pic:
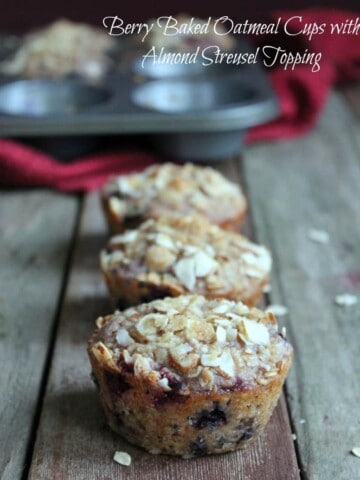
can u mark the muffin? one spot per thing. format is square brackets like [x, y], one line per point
[172, 190]
[174, 256]
[61, 49]
[189, 376]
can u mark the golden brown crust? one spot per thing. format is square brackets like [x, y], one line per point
[172, 190]
[171, 256]
[186, 376]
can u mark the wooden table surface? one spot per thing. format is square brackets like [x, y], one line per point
[51, 292]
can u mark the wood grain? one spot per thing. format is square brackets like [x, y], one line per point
[73, 441]
[313, 182]
[36, 231]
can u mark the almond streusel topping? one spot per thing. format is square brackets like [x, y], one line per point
[189, 253]
[171, 189]
[204, 344]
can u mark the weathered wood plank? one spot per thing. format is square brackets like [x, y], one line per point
[313, 182]
[35, 234]
[73, 440]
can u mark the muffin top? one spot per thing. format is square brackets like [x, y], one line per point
[62, 48]
[175, 190]
[188, 254]
[189, 343]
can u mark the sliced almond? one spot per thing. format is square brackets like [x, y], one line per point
[318, 236]
[356, 451]
[141, 365]
[210, 250]
[223, 322]
[195, 372]
[206, 379]
[214, 282]
[128, 237]
[215, 185]
[346, 300]
[161, 355]
[123, 338]
[159, 258]
[164, 241]
[189, 250]
[262, 261]
[263, 381]
[151, 323]
[254, 332]
[210, 359]
[126, 356]
[223, 307]
[241, 309]
[204, 264]
[226, 364]
[100, 321]
[117, 256]
[254, 272]
[184, 270]
[117, 206]
[162, 307]
[200, 330]
[128, 183]
[164, 384]
[198, 200]
[177, 323]
[122, 458]
[102, 353]
[220, 334]
[181, 350]
[277, 310]
[184, 363]
[231, 334]
[154, 278]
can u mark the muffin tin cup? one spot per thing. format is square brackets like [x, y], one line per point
[42, 98]
[202, 114]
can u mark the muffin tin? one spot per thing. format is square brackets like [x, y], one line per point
[191, 111]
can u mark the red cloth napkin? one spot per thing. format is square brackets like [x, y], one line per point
[27, 167]
[302, 95]
[301, 92]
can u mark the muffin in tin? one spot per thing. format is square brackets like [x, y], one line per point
[61, 49]
[174, 256]
[172, 190]
[189, 376]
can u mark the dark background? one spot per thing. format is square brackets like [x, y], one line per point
[19, 16]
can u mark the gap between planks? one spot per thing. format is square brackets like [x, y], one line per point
[313, 182]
